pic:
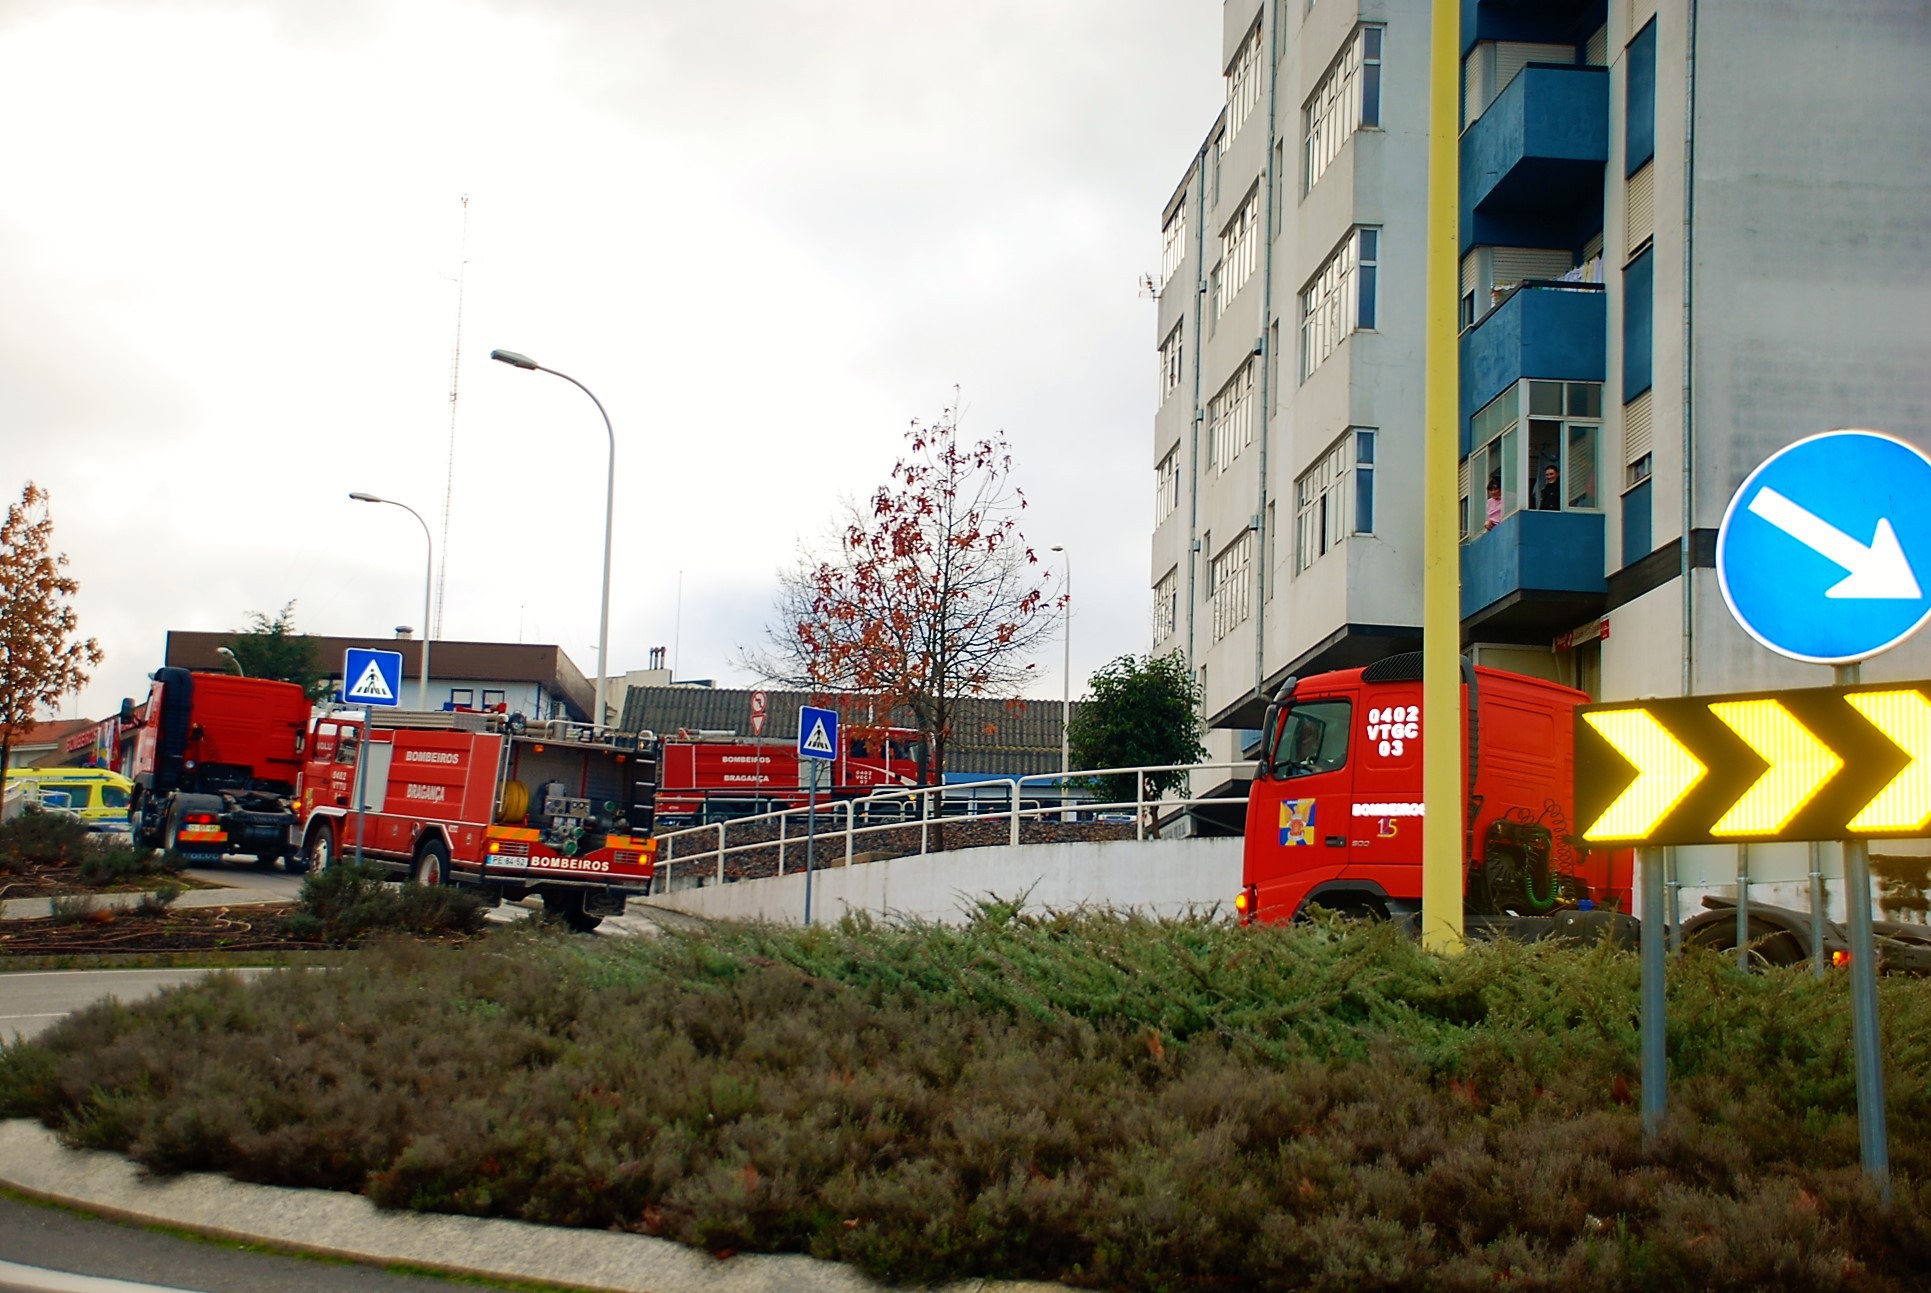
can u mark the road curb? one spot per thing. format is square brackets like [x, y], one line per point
[41, 908]
[348, 1226]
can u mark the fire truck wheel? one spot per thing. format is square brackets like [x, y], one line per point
[171, 829]
[568, 907]
[318, 850]
[432, 864]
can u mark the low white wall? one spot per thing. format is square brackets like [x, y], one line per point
[1154, 877]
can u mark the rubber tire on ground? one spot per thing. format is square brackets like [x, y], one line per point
[171, 829]
[1770, 945]
[432, 864]
[317, 852]
[568, 907]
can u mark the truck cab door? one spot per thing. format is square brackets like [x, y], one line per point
[1300, 842]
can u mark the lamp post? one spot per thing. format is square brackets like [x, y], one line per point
[428, 588]
[231, 660]
[1066, 682]
[515, 360]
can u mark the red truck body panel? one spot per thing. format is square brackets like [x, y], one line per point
[481, 794]
[701, 772]
[1345, 820]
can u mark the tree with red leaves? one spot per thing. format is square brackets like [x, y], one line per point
[933, 594]
[38, 662]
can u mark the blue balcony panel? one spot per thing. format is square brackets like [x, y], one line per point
[1535, 575]
[1532, 164]
[1543, 22]
[1549, 331]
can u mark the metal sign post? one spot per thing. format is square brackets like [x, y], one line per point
[361, 784]
[811, 839]
[1866, 1043]
[817, 744]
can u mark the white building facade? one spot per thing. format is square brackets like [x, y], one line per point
[1690, 234]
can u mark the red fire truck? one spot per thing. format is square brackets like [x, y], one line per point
[708, 775]
[213, 758]
[1334, 820]
[553, 809]
[1334, 816]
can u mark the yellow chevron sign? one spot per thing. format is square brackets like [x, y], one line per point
[1818, 763]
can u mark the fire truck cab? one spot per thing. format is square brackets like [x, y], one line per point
[1334, 816]
[511, 809]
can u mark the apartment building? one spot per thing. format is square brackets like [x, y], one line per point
[1690, 234]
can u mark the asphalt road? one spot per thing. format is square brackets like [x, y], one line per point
[44, 1248]
[33, 1000]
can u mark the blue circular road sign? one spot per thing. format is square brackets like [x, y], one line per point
[1824, 554]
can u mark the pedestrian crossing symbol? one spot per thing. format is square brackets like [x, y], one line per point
[377, 677]
[817, 733]
[372, 685]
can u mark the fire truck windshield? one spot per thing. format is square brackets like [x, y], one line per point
[1314, 738]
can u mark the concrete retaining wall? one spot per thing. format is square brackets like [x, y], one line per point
[1155, 877]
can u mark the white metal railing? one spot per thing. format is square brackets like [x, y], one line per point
[841, 824]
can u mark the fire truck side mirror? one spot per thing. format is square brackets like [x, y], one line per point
[127, 710]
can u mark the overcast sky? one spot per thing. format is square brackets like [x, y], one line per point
[766, 235]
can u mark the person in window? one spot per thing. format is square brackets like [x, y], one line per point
[1494, 505]
[1549, 497]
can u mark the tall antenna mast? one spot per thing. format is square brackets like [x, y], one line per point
[435, 628]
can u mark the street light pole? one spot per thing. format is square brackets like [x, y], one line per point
[232, 660]
[515, 360]
[1066, 682]
[428, 589]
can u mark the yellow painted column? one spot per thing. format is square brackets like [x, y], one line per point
[1443, 793]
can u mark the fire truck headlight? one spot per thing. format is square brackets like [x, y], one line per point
[495, 847]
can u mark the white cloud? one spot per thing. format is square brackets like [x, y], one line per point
[766, 236]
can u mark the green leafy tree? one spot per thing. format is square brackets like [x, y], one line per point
[39, 659]
[1142, 711]
[271, 648]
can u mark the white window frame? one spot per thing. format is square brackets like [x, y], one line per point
[1340, 297]
[1326, 496]
[1173, 243]
[1166, 486]
[1166, 604]
[1229, 576]
[1347, 97]
[1239, 251]
[1243, 82]
[1172, 361]
[1230, 419]
[1505, 449]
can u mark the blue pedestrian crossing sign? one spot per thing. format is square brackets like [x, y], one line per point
[817, 733]
[1824, 554]
[371, 677]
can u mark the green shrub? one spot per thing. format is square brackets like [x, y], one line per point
[109, 862]
[157, 901]
[37, 838]
[346, 902]
[71, 909]
[1108, 1102]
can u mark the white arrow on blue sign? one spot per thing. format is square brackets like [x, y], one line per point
[371, 677]
[817, 733]
[1825, 551]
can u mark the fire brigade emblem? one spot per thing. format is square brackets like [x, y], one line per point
[1297, 822]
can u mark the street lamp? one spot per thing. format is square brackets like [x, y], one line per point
[1066, 682]
[231, 660]
[428, 589]
[515, 360]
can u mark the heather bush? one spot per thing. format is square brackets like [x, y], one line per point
[1106, 1101]
[347, 902]
[109, 862]
[36, 838]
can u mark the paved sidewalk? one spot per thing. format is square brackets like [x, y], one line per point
[40, 908]
[349, 1226]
